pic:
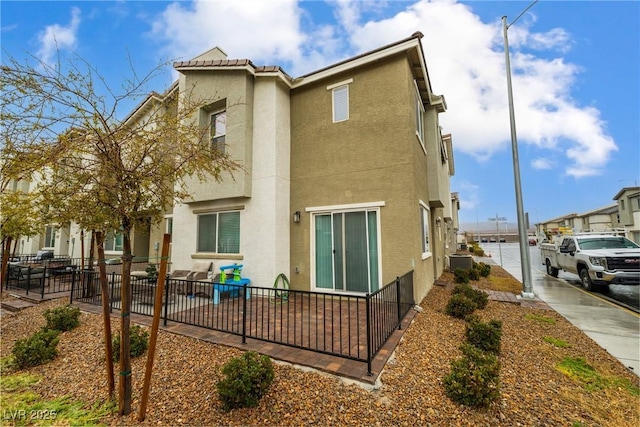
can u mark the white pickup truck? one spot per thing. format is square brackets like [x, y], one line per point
[598, 259]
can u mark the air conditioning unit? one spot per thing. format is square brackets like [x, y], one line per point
[464, 262]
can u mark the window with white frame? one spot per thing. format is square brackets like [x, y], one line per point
[114, 242]
[219, 232]
[218, 130]
[424, 225]
[419, 108]
[340, 100]
[168, 225]
[49, 236]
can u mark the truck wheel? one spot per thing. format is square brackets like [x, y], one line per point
[551, 271]
[586, 280]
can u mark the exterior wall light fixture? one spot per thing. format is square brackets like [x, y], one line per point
[296, 216]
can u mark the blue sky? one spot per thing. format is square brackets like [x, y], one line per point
[575, 65]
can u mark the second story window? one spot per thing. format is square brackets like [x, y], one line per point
[218, 130]
[419, 118]
[340, 100]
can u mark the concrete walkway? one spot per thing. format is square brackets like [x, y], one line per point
[614, 328]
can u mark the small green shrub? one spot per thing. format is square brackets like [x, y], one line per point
[460, 275]
[484, 269]
[138, 342]
[484, 336]
[460, 306]
[473, 274]
[478, 251]
[37, 349]
[63, 318]
[474, 379]
[247, 379]
[480, 298]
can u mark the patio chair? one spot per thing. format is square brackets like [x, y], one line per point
[199, 271]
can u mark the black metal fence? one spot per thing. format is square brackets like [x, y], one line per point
[42, 277]
[350, 326]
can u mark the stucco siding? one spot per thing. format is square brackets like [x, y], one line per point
[236, 87]
[368, 158]
[265, 216]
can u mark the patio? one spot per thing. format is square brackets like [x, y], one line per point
[352, 336]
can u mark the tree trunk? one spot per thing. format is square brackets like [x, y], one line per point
[5, 260]
[125, 338]
[104, 285]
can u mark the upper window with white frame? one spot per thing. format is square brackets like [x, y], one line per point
[340, 100]
[419, 113]
[218, 130]
[219, 232]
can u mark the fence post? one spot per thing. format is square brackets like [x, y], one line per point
[28, 279]
[166, 300]
[244, 314]
[73, 283]
[113, 283]
[368, 313]
[44, 277]
[398, 302]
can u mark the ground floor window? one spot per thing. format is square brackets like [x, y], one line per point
[114, 242]
[346, 250]
[49, 236]
[219, 232]
[424, 230]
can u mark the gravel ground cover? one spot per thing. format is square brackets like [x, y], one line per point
[533, 391]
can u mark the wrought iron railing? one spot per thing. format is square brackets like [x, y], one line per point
[349, 326]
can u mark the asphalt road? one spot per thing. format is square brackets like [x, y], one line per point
[508, 255]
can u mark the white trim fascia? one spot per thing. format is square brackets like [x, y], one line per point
[248, 68]
[345, 207]
[347, 66]
[342, 83]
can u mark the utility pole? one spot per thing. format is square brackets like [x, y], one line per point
[525, 261]
[498, 219]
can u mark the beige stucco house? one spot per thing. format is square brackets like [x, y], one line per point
[345, 173]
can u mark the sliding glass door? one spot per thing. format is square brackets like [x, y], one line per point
[346, 251]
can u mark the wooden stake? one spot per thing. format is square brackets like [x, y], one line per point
[157, 310]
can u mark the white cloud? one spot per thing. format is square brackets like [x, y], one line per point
[542, 163]
[56, 37]
[468, 192]
[464, 55]
[252, 29]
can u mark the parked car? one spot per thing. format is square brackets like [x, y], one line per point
[503, 240]
[492, 240]
[483, 240]
[533, 242]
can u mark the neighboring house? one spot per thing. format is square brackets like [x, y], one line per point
[623, 216]
[556, 225]
[628, 201]
[597, 220]
[345, 180]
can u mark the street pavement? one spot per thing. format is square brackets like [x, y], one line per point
[614, 328]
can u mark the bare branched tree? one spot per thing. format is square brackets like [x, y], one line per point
[106, 174]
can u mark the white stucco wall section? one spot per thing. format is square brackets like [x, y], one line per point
[264, 237]
[265, 217]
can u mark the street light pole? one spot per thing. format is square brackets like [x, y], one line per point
[525, 261]
[497, 219]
